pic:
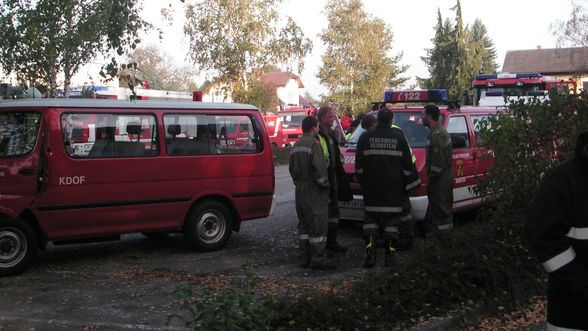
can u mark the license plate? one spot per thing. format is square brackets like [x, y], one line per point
[354, 204]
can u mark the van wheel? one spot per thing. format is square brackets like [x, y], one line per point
[18, 246]
[208, 226]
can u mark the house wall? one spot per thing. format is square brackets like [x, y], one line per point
[582, 81]
[289, 93]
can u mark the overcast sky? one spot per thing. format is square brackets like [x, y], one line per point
[511, 24]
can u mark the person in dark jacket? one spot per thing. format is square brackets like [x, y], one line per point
[557, 229]
[338, 183]
[308, 168]
[439, 164]
[383, 164]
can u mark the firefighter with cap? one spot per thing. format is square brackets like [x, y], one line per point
[339, 184]
[439, 164]
[383, 164]
[557, 229]
[308, 168]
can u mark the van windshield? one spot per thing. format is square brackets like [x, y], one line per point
[18, 133]
[293, 120]
[410, 123]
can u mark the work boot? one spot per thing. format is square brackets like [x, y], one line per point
[370, 253]
[390, 255]
[304, 256]
[332, 243]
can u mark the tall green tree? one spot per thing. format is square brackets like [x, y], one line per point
[357, 66]
[574, 31]
[438, 59]
[157, 67]
[465, 54]
[258, 94]
[233, 40]
[43, 39]
[479, 33]
[458, 54]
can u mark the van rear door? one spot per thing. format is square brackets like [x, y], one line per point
[19, 159]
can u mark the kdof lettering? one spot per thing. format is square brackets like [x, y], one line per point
[73, 180]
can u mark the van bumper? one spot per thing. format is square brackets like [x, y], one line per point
[353, 210]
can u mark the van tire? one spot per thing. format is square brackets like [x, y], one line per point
[18, 246]
[208, 226]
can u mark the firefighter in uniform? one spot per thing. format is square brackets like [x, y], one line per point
[439, 172]
[308, 168]
[339, 189]
[557, 229]
[386, 173]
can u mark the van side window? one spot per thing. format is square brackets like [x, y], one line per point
[18, 133]
[187, 135]
[236, 134]
[211, 134]
[476, 120]
[100, 135]
[457, 127]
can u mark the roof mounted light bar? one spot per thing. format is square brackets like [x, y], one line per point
[437, 96]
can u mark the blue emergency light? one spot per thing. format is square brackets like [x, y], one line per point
[494, 93]
[439, 96]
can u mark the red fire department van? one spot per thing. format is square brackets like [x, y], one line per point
[469, 163]
[88, 170]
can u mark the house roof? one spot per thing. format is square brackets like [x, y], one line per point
[303, 102]
[547, 61]
[279, 78]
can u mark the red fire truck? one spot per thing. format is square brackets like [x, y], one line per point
[275, 130]
[468, 149]
[291, 120]
[494, 89]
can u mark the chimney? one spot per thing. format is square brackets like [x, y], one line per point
[538, 46]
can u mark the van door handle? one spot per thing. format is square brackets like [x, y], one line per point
[26, 171]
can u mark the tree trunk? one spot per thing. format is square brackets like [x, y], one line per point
[53, 83]
[66, 81]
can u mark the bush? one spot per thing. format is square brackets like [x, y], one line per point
[227, 309]
[526, 141]
[480, 263]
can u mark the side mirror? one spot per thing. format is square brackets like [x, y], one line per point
[457, 140]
